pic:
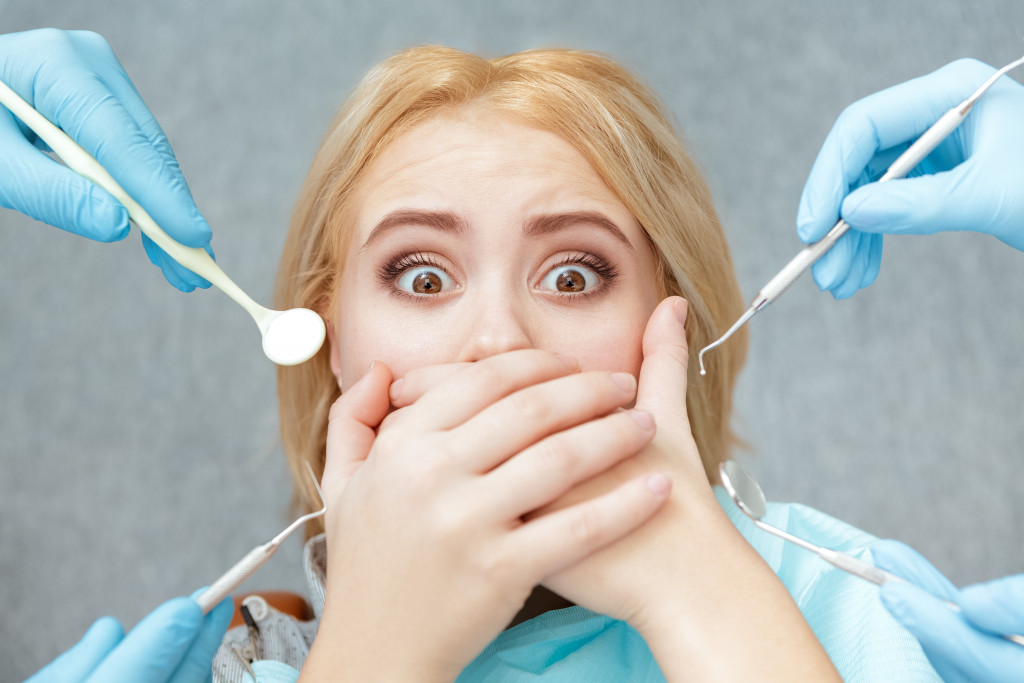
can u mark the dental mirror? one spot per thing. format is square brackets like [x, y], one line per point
[746, 493]
[289, 337]
[748, 496]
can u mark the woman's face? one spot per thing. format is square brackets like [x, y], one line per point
[475, 234]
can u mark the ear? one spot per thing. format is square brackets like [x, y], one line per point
[335, 353]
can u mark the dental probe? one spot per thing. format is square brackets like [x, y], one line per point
[804, 259]
[255, 558]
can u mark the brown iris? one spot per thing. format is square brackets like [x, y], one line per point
[570, 281]
[426, 283]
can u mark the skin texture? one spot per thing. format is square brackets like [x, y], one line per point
[496, 175]
[493, 444]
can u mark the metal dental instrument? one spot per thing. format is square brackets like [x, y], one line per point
[748, 496]
[256, 558]
[924, 145]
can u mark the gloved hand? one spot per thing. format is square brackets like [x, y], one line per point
[974, 180]
[174, 643]
[961, 646]
[74, 79]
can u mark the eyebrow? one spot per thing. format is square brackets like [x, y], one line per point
[446, 221]
[550, 223]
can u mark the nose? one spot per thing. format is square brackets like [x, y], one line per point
[495, 326]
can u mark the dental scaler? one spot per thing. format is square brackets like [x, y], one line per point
[924, 145]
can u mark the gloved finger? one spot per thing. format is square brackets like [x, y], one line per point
[173, 211]
[832, 268]
[874, 261]
[97, 52]
[51, 193]
[905, 562]
[944, 635]
[177, 274]
[860, 274]
[152, 650]
[198, 661]
[996, 606]
[79, 661]
[65, 89]
[883, 121]
[940, 202]
[847, 287]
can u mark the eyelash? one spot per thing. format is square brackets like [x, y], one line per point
[605, 270]
[393, 269]
[389, 272]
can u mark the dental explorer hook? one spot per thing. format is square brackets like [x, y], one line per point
[257, 557]
[807, 256]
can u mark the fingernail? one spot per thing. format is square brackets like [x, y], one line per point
[396, 388]
[679, 306]
[625, 380]
[659, 483]
[643, 418]
[570, 362]
[369, 367]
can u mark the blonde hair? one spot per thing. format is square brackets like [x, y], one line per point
[603, 111]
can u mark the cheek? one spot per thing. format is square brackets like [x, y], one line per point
[401, 346]
[614, 349]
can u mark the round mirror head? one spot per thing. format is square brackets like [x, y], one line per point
[743, 489]
[294, 336]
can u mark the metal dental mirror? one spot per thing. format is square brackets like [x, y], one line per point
[746, 493]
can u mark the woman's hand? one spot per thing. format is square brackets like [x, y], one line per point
[687, 580]
[429, 557]
[608, 581]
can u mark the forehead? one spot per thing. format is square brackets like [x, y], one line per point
[473, 155]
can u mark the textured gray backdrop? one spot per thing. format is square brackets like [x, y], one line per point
[138, 448]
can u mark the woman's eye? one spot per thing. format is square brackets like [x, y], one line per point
[425, 280]
[570, 278]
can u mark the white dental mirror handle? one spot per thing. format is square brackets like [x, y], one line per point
[83, 163]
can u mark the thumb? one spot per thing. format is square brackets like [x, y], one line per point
[661, 388]
[352, 425]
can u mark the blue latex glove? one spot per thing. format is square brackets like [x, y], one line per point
[964, 646]
[974, 180]
[174, 643]
[74, 79]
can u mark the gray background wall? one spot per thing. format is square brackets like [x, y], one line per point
[138, 447]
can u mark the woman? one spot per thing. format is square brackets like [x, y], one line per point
[505, 253]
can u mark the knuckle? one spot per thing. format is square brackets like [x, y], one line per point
[497, 568]
[52, 36]
[558, 458]
[529, 405]
[92, 39]
[483, 374]
[585, 526]
[603, 389]
[968, 67]
[337, 409]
